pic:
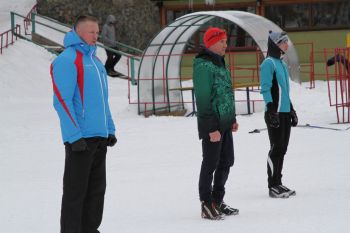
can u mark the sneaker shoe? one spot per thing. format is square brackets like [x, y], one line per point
[290, 192]
[225, 209]
[210, 212]
[278, 192]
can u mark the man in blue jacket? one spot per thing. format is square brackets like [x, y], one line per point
[280, 114]
[81, 101]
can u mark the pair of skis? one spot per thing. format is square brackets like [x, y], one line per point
[306, 126]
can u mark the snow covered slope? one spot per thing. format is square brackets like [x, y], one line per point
[19, 6]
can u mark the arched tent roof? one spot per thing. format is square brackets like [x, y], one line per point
[159, 70]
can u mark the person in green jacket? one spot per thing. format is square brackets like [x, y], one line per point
[216, 121]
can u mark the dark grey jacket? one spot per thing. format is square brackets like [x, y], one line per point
[108, 32]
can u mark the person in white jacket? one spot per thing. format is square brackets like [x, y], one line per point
[109, 39]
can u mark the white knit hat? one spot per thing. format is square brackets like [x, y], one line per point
[278, 37]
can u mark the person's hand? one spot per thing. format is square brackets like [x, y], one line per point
[111, 140]
[79, 145]
[235, 127]
[273, 118]
[294, 118]
[215, 136]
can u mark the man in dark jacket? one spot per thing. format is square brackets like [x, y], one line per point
[216, 122]
[109, 39]
[280, 114]
[81, 101]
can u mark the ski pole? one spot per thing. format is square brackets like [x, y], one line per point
[305, 126]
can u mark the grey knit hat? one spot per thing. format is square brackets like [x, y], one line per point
[278, 37]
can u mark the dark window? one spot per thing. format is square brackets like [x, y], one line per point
[308, 16]
[172, 15]
[331, 14]
[289, 16]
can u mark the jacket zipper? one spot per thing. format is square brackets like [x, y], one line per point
[286, 80]
[102, 93]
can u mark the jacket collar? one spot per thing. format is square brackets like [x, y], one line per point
[72, 39]
[273, 50]
[213, 57]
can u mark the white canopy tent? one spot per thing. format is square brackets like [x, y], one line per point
[159, 71]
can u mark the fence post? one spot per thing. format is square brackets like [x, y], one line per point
[33, 22]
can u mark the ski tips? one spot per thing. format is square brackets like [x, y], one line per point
[255, 131]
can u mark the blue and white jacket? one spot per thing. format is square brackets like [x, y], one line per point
[81, 91]
[274, 81]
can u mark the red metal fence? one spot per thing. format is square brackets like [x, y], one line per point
[8, 37]
[307, 64]
[244, 77]
[338, 79]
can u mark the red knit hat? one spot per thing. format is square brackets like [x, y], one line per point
[213, 35]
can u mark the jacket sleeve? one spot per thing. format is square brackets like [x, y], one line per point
[234, 106]
[64, 80]
[111, 125]
[203, 85]
[266, 76]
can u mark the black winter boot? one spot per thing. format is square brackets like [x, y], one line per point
[210, 212]
[278, 192]
[289, 191]
[225, 209]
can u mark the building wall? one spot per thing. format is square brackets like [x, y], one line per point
[321, 40]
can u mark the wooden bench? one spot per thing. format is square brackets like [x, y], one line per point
[240, 85]
[246, 85]
[194, 112]
[235, 86]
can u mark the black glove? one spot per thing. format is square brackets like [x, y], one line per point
[79, 145]
[111, 140]
[294, 118]
[273, 118]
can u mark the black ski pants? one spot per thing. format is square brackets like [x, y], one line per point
[84, 185]
[279, 139]
[112, 59]
[218, 157]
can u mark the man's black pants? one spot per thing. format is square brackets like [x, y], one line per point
[84, 185]
[112, 59]
[218, 157]
[279, 139]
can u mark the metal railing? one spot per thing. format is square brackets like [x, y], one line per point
[128, 48]
[338, 79]
[28, 19]
[8, 37]
[35, 21]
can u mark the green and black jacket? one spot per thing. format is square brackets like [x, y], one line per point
[214, 93]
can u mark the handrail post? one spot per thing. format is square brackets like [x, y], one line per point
[132, 67]
[12, 21]
[33, 22]
[1, 43]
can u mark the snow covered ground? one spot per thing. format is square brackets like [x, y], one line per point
[152, 172]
